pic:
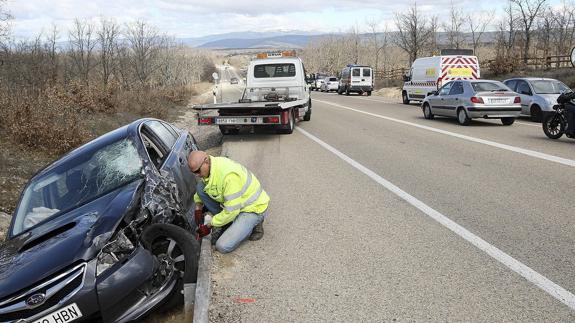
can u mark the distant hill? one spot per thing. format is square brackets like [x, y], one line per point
[283, 39]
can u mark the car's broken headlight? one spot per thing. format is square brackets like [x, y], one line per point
[113, 252]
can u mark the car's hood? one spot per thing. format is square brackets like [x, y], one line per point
[71, 238]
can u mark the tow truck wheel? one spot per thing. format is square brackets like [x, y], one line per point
[307, 115]
[287, 129]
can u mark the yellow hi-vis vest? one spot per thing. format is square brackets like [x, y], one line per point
[235, 188]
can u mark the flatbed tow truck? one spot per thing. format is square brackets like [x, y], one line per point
[276, 97]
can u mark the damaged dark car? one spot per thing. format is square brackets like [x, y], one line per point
[104, 233]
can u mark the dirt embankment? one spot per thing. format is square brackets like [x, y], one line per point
[389, 92]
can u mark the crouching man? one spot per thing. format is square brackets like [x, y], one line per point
[233, 195]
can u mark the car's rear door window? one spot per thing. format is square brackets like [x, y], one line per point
[167, 137]
[356, 72]
[367, 72]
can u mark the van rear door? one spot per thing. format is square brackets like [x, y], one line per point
[361, 76]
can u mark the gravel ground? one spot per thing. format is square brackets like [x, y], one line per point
[4, 223]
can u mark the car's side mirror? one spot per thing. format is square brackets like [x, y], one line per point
[406, 78]
[435, 93]
[526, 92]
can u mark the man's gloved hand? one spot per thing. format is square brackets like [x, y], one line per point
[198, 216]
[203, 230]
[208, 219]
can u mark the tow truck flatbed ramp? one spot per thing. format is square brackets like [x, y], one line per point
[250, 105]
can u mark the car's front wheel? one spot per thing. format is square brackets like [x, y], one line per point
[177, 252]
[427, 111]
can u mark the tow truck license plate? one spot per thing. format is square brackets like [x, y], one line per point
[64, 315]
[239, 120]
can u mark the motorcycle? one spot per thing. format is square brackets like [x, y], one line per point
[561, 121]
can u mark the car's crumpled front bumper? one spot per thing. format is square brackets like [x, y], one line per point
[117, 294]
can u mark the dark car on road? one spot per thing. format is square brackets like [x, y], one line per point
[105, 232]
[234, 80]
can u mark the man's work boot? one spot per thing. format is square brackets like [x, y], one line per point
[257, 232]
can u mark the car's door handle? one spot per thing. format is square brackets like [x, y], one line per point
[456, 99]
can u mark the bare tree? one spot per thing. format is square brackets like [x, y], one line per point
[416, 32]
[51, 40]
[4, 19]
[145, 42]
[477, 22]
[454, 29]
[564, 27]
[107, 35]
[379, 41]
[81, 48]
[528, 11]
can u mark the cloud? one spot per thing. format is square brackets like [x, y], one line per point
[194, 18]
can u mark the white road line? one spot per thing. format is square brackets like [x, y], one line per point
[523, 151]
[531, 275]
[528, 124]
[399, 103]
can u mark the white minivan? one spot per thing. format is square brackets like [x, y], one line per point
[356, 78]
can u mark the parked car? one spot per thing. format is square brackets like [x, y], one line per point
[537, 94]
[466, 100]
[234, 80]
[320, 79]
[102, 234]
[329, 84]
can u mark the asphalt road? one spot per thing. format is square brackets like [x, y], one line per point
[378, 214]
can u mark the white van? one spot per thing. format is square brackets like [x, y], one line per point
[356, 78]
[428, 74]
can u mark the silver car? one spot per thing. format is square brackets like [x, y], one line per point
[537, 94]
[466, 100]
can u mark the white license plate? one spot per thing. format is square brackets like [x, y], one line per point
[67, 314]
[239, 120]
[499, 101]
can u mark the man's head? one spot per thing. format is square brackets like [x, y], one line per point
[199, 163]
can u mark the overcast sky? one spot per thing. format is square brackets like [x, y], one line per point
[193, 18]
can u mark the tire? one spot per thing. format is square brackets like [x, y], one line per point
[368, 93]
[288, 129]
[462, 117]
[507, 121]
[307, 115]
[158, 239]
[554, 125]
[427, 114]
[339, 91]
[535, 113]
[404, 97]
[347, 91]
